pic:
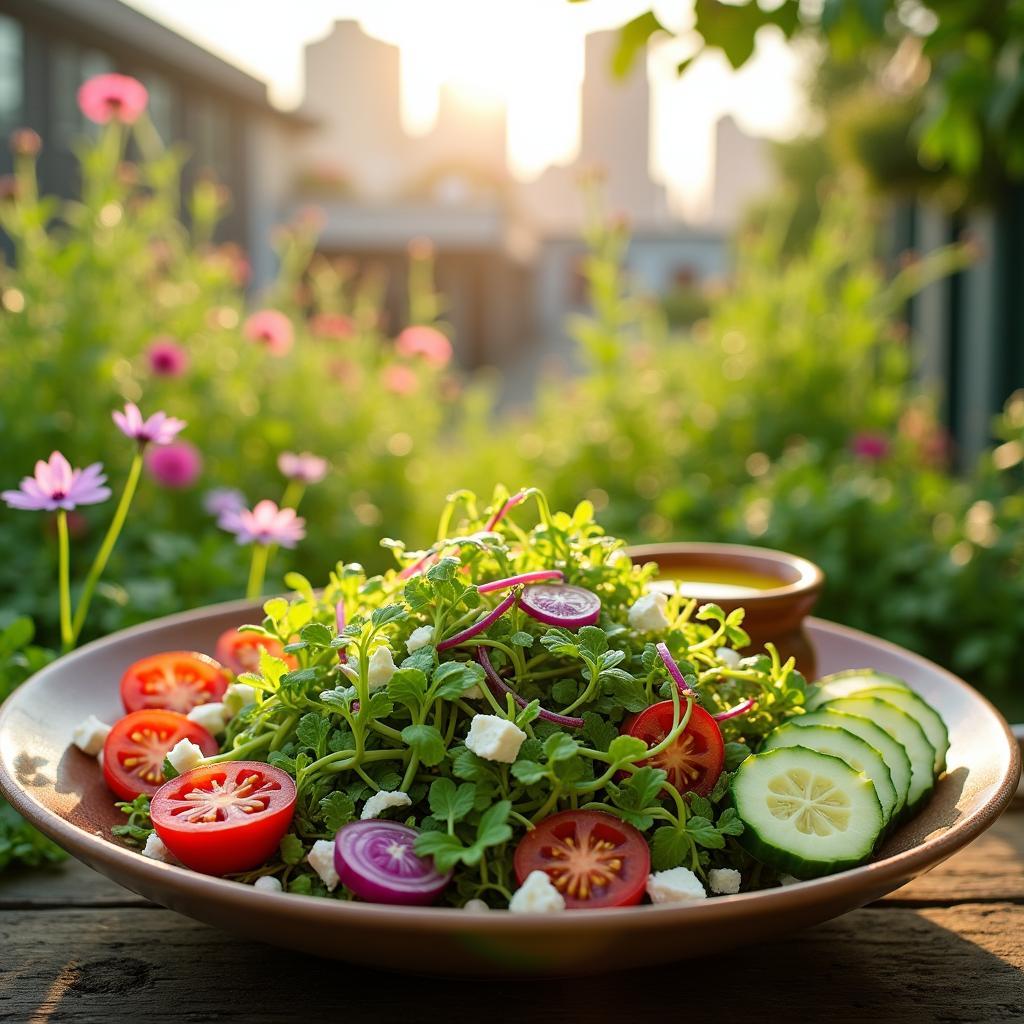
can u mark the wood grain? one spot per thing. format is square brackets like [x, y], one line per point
[948, 947]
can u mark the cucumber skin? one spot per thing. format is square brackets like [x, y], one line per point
[784, 861]
[885, 679]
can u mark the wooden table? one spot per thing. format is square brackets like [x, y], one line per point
[948, 947]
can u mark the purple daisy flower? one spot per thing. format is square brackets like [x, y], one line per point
[56, 485]
[167, 358]
[220, 500]
[158, 429]
[265, 524]
[306, 467]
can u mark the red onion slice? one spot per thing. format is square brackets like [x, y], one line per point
[376, 860]
[479, 627]
[339, 621]
[517, 499]
[524, 577]
[739, 709]
[499, 687]
[673, 670]
[418, 566]
[560, 604]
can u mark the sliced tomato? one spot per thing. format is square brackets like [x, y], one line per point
[223, 818]
[174, 681]
[240, 652]
[695, 759]
[594, 859]
[133, 755]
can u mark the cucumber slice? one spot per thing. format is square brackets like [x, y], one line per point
[830, 739]
[805, 813]
[904, 730]
[893, 754]
[923, 713]
[846, 684]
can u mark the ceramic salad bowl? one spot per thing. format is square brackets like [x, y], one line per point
[62, 792]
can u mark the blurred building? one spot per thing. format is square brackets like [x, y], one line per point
[743, 174]
[49, 47]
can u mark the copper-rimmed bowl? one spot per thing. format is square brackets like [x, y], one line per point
[776, 610]
[61, 791]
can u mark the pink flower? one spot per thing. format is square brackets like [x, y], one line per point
[159, 428]
[175, 465]
[265, 524]
[332, 326]
[25, 142]
[56, 485]
[400, 379]
[426, 342]
[871, 446]
[221, 500]
[271, 328]
[112, 98]
[306, 468]
[166, 357]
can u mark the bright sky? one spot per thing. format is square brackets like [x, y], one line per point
[531, 59]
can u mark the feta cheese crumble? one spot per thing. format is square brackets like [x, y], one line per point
[475, 905]
[729, 656]
[238, 696]
[213, 717]
[268, 883]
[677, 885]
[724, 881]
[381, 668]
[419, 637]
[184, 756]
[648, 613]
[156, 850]
[494, 738]
[382, 801]
[321, 860]
[90, 735]
[537, 895]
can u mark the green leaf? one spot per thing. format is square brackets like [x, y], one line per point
[338, 809]
[521, 639]
[387, 614]
[271, 668]
[669, 848]
[454, 678]
[292, 850]
[560, 747]
[633, 37]
[447, 850]
[312, 732]
[704, 833]
[735, 755]
[316, 634]
[730, 823]
[627, 748]
[426, 742]
[598, 730]
[16, 635]
[408, 686]
[628, 692]
[528, 772]
[594, 641]
[451, 802]
[565, 691]
[424, 659]
[494, 828]
[647, 784]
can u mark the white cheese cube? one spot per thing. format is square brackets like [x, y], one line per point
[156, 850]
[238, 696]
[381, 801]
[677, 885]
[213, 717]
[268, 883]
[475, 906]
[321, 859]
[729, 656]
[381, 668]
[724, 881]
[420, 637]
[648, 613]
[184, 756]
[494, 738]
[537, 895]
[90, 735]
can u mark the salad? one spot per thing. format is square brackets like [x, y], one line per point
[515, 717]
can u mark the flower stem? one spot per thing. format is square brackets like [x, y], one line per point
[257, 571]
[107, 547]
[64, 580]
[293, 493]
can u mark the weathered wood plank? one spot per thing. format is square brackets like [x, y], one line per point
[943, 964]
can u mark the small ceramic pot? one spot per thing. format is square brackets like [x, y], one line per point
[778, 590]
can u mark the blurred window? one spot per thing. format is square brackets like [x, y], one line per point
[163, 103]
[11, 88]
[213, 139]
[69, 68]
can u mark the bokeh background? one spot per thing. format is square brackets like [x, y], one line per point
[728, 272]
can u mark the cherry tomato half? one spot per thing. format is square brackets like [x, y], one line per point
[695, 759]
[133, 755]
[594, 859]
[174, 681]
[240, 652]
[223, 818]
